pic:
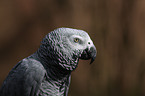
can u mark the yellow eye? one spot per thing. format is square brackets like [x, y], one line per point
[76, 40]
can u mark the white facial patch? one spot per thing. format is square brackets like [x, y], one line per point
[81, 42]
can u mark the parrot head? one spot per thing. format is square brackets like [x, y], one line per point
[66, 46]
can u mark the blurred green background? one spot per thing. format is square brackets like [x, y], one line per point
[117, 28]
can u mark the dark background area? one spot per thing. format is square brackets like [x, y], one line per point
[117, 28]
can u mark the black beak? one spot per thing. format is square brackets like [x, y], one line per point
[93, 53]
[89, 53]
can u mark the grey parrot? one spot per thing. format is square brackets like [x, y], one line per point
[47, 72]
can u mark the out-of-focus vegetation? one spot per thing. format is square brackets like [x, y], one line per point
[117, 28]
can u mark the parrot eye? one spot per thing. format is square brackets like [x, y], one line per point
[76, 40]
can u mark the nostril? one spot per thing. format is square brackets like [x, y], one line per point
[89, 43]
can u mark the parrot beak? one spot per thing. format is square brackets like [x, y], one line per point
[93, 53]
[89, 53]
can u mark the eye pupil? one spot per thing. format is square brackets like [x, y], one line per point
[76, 40]
[89, 43]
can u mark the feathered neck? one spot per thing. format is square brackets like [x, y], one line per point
[53, 56]
[57, 65]
[54, 71]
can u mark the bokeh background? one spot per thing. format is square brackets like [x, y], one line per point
[117, 28]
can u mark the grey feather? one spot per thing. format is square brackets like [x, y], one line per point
[47, 72]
